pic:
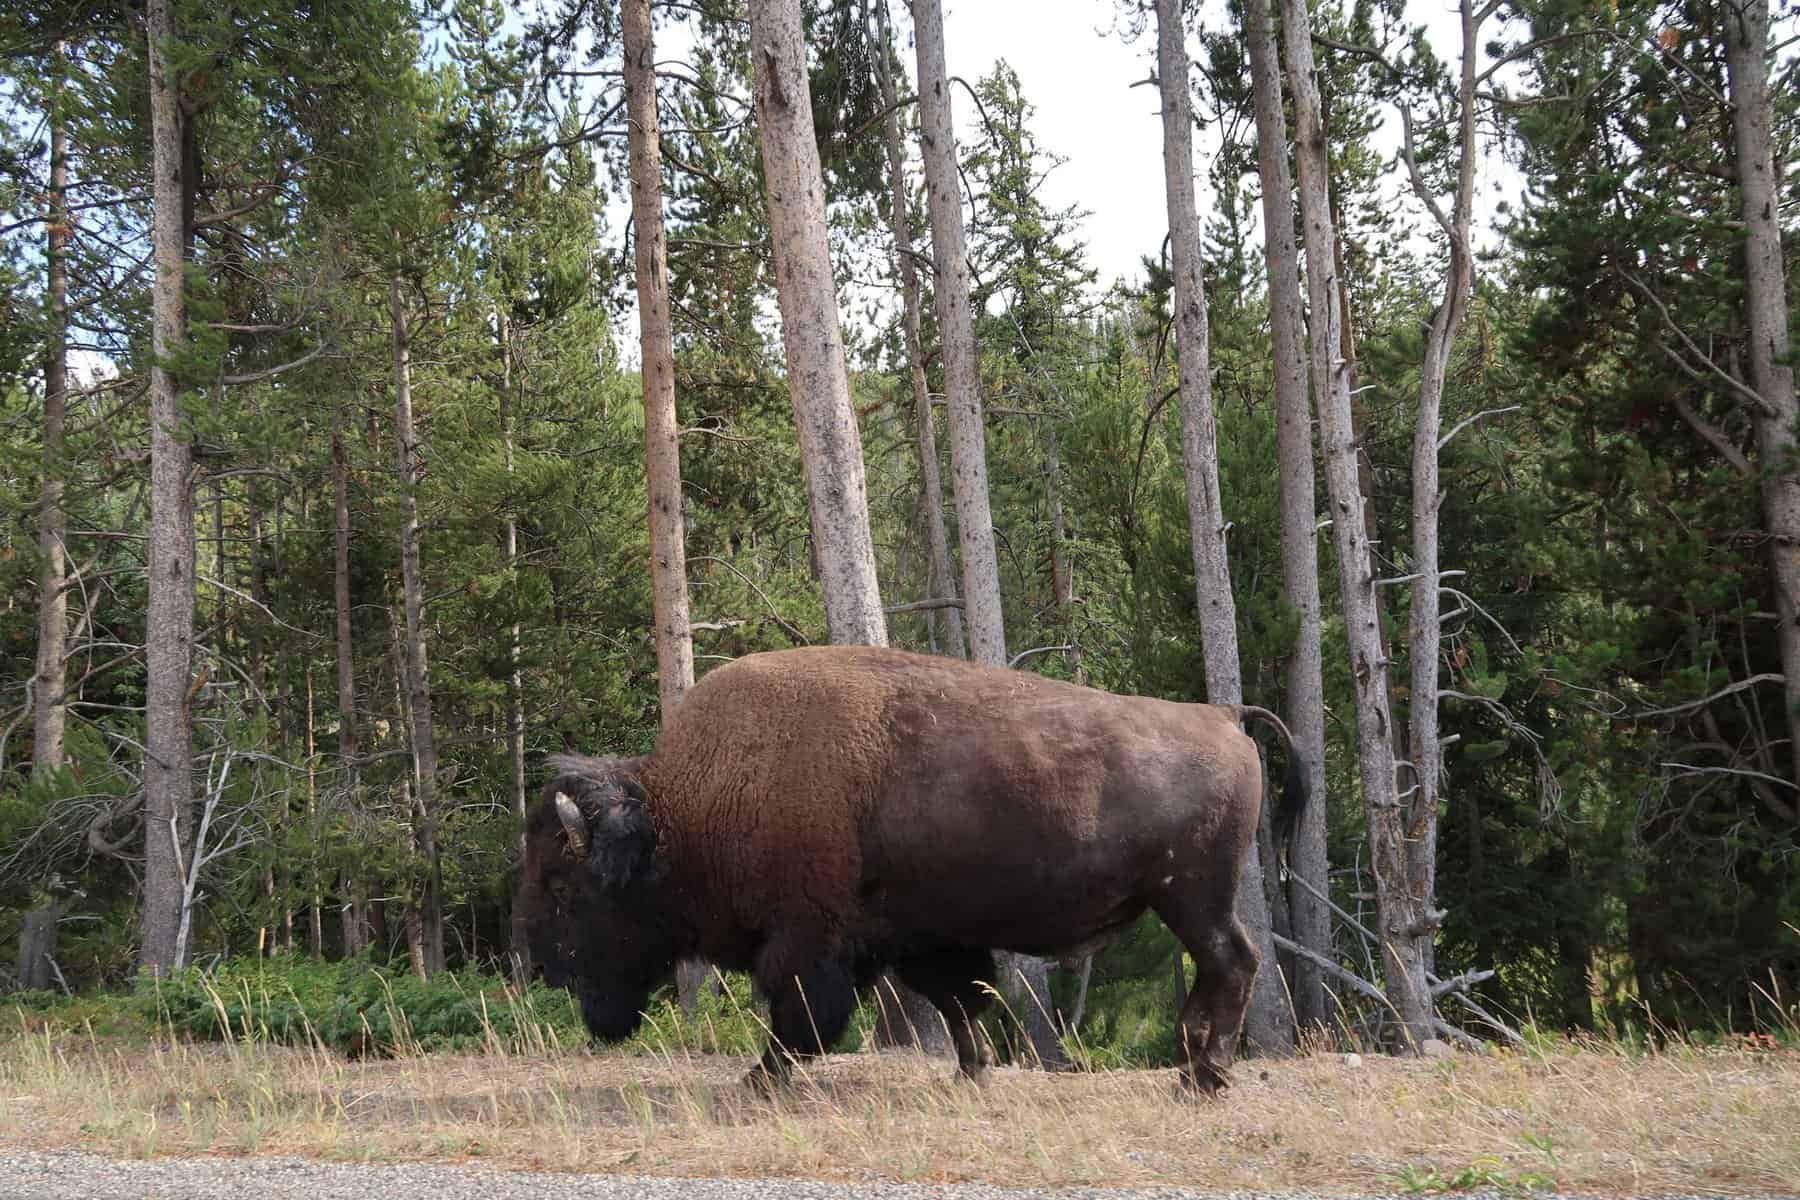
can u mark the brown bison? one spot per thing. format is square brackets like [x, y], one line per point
[815, 816]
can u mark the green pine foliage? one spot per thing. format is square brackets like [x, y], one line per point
[1617, 835]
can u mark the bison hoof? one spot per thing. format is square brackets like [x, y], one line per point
[764, 1080]
[1204, 1081]
[976, 1070]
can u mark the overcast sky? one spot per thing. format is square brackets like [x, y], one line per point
[1076, 69]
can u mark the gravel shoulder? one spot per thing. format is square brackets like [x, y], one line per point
[76, 1175]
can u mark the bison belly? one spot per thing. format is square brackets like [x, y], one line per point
[1041, 857]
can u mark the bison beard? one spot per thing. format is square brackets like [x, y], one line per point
[817, 816]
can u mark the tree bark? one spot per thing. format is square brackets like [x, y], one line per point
[37, 947]
[662, 447]
[662, 457]
[1425, 634]
[38, 931]
[942, 576]
[818, 378]
[50, 679]
[1406, 987]
[169, 620]
[355, 933]
[968, 442]
[1299, 513]
[518, 941]
[1267, 1028]
[429, 905]
[1766, 316]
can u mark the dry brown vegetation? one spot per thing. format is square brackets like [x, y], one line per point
[1587, 1117]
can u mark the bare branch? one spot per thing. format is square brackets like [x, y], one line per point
[1710, 433]
[1740, 685]
[793, 630]
[923, 605]
[1022, 655]
[271, 372]
[1468, 421]
[1743, 391]
[1692, 769]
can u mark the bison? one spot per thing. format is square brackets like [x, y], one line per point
[815, 816]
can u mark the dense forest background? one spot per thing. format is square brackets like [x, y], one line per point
[406, 391]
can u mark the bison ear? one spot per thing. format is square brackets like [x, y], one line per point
[623, 848]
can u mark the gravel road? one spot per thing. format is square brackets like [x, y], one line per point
[69, 1175]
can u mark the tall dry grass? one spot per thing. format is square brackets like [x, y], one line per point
[1593, 1116]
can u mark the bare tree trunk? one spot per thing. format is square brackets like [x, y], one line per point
[38, 930]
[1765, 309]
[1406, 986]
[942, 574]
[1299, 513]
[518, 943]
[355, 929]
[1267, 1028]
[662, 456]
[662, 447]
[968, 441]
[37, 947]
[1426, 632]
[50, 678]
[418, 684]
[169, 621]
[818, 378]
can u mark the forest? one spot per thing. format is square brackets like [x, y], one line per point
[394, 392]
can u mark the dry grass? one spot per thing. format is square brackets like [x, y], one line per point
[1577, 1117]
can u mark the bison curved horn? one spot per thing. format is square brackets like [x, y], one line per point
[574, 825]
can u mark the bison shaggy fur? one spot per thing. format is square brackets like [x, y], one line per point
[816, 816]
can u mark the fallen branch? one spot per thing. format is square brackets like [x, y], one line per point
[923, 605]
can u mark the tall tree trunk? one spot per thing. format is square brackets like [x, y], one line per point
[169, 621]
[662, 451]
[50, 679]
[983, 616]
[1267, 1028]
[1404, 975]
[418, 683]
[1766, 315]
[950, 262]
[349, 883]
[1299, 513]
[38, 932]
[1425, 635]
[817, 375]
[662, 446]
[942, 574]
[518, 939]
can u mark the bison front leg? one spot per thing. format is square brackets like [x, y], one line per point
[1225, 964]
[959, 985]
[811, 998]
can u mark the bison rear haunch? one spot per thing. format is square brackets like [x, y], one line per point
[816, 816]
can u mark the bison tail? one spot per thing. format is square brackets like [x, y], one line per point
[1294, 789]
[1292, 804]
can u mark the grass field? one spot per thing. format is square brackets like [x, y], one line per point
[1563, 1115]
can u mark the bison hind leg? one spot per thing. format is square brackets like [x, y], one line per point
[1225, 964]
[958, 982]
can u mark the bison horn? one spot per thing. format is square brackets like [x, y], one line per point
[574, 825]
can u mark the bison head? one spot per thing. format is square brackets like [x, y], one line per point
[590, 895]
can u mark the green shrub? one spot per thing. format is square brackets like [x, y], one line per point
[356, 1007]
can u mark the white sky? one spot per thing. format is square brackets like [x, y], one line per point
[1076, 69]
